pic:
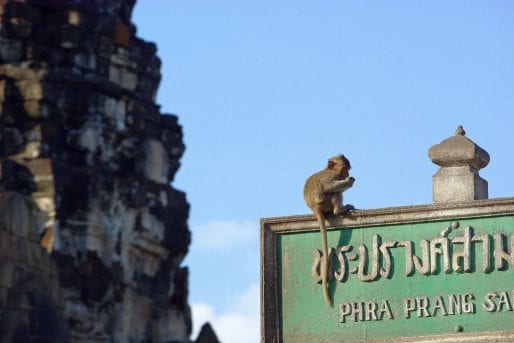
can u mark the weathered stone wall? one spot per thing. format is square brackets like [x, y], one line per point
[82, 139]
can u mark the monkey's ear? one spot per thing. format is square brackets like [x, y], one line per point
[331, 165]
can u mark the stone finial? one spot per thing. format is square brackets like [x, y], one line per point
[460, 160]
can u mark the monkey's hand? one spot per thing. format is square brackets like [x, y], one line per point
[349, 181]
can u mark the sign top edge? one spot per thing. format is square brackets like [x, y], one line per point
[400, 214]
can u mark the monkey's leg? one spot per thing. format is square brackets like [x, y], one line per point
[340, 209]
[336, 202]
[324, 261]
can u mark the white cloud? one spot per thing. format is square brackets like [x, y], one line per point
[219, 234]
[240, 323]
[201, 313]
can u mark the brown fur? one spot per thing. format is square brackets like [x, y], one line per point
[323, 193]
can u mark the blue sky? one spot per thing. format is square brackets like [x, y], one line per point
[266, 91]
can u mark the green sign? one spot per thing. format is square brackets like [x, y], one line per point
[440, 272]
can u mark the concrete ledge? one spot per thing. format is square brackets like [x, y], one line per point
[394, 215]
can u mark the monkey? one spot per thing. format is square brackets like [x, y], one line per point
[323, 193]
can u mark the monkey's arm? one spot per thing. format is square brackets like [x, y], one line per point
[339, 186]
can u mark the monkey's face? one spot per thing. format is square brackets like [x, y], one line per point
[345, 171]
[340, 166]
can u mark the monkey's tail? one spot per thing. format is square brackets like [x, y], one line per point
[324, 261]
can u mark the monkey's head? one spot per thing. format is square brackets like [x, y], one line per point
[339, 164]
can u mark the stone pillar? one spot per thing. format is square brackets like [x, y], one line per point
[82, 138]
[460, 160]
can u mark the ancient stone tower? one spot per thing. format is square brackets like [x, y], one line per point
[91, 232]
